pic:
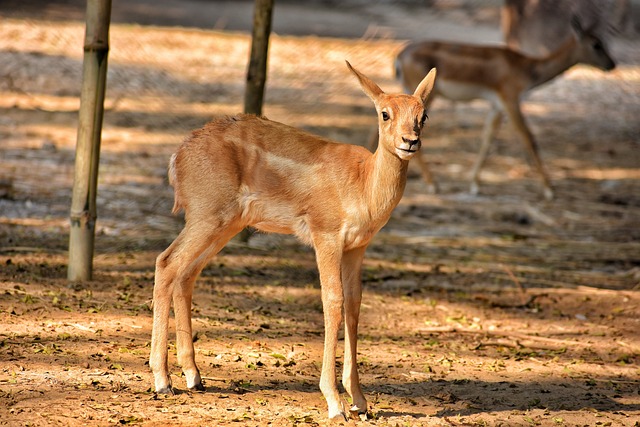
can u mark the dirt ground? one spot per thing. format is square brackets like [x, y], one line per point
[500, 309]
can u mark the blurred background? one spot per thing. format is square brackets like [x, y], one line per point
[175, 64]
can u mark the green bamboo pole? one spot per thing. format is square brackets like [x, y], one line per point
[83, 212]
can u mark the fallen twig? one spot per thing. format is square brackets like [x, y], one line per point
[222, 380]
[27, 249]
[524, 304]
[82, 327]
[508, 334]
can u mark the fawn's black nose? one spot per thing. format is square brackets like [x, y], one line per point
[411, 142]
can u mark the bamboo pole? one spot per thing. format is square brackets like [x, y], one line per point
[83, 211]
[257, 71]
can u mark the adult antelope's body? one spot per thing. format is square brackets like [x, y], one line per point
[249, 171]
[499, 75]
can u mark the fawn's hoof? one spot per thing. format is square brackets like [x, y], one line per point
[338, 414]
[338, 418]
[197, 387]
[358, 414]
[168, 390]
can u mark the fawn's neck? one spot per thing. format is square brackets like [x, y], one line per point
[387, 176]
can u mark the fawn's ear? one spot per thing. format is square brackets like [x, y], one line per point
[426, 86]
[372, 90]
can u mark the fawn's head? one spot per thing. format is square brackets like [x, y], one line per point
[591, 48]
[400, 117]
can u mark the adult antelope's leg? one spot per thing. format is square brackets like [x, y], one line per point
[176, 271]
[329, 265]
[352, 283]
[425, 170]
[520, 125]
[491, 125]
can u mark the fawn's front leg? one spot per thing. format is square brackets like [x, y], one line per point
[352, 282]
[329, 266]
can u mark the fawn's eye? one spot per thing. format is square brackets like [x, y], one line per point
[385, 116]
[424, 118]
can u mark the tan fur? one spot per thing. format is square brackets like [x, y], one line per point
[177, 204]
[248, 171]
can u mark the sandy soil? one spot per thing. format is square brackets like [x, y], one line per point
[497, 309]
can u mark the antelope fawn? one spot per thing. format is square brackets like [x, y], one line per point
[248, 171]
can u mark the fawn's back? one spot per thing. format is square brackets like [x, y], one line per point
[268, 173]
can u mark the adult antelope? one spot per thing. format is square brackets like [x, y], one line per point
[538, 27]
[499, 75]
[248, 171]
